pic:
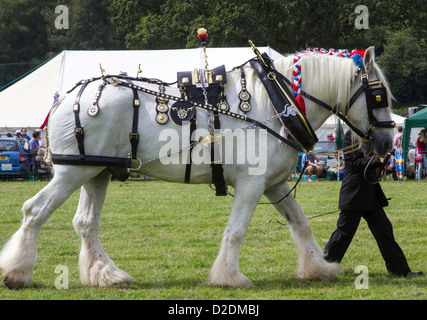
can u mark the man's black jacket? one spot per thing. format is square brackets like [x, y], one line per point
[357, 194]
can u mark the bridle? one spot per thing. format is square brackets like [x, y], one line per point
[376, 98]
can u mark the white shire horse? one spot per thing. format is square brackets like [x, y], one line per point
[328, 78]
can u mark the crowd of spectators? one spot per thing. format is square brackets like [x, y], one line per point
[35, 147]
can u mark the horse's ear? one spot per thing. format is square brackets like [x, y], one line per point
[369, 58]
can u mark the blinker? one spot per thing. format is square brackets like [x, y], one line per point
[378, 97]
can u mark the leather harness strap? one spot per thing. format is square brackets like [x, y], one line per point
[134, 136]
[216, 164]
[66, 159]
[193, 127]
[78, 130]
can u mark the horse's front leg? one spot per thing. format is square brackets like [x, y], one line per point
[311, 262]
[96, 269]
[225, 270]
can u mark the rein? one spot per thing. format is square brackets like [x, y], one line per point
[381, 171]
[289, 192]
[308, 218]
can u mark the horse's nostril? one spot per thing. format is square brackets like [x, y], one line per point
[387, 146]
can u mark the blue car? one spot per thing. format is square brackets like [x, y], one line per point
[14, 159]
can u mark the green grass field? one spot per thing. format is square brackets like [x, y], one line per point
[167, 236]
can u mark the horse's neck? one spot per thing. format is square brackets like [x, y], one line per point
[316, 114]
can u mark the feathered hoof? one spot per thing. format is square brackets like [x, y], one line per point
[105, 275]
[237, 280]
[15, 283]
[324, 272]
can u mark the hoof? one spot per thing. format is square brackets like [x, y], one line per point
[101, 275]
[238, 281]
[12, 284]
[325, 272]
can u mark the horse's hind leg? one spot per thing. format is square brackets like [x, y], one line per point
[95, 267]
[311, 262]
[19, 255]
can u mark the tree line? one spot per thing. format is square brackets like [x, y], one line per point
[397, 29]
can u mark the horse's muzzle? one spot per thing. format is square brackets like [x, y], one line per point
[383, 147]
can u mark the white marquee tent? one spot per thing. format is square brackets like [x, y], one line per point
[27, 102]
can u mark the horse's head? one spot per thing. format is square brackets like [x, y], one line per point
[370, 107]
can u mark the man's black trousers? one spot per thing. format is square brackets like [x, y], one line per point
[381, 229]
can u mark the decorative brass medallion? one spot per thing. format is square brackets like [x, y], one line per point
[223, 105]
[93, 110]
[244, 95]
[182, 111]
[162, 118]
[245, 106]
[162, 107]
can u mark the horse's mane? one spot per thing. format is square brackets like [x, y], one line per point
[326, 77]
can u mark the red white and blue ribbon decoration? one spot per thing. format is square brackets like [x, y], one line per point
[46, 120]
[297, 82]
[356, 54]
[357, 57]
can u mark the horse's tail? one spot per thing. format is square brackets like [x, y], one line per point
[48, 154]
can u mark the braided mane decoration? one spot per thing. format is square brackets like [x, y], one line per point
[297, 82]
[356, 55]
